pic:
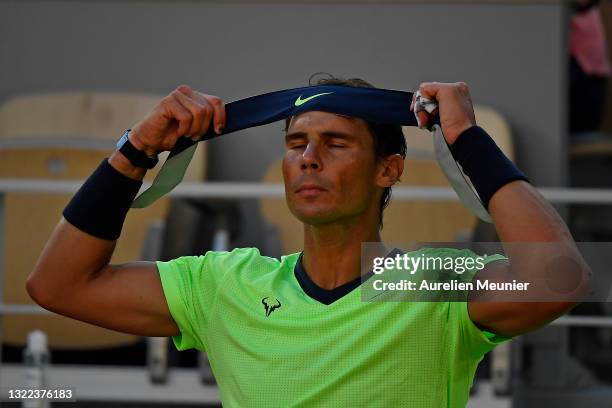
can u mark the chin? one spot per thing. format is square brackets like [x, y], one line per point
[314, 216]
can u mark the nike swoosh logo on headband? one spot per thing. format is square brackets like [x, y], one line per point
[299, 101]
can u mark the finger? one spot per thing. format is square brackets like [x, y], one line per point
[201, 114]
[220, 116]
[200, 126]
[205, 100]
[218, 106]
[170, 141]
[175, 110]
[463, 87]
[413, 101]
[430, 90]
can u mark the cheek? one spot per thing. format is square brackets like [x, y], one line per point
[291, 173]
[288, 165]
[358, 179]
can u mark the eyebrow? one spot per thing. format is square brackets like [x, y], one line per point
[327, 133]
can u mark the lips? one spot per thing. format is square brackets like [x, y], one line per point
[310, 189]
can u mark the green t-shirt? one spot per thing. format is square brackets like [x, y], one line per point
[271, 344]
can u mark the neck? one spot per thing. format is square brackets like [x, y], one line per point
[332, 252]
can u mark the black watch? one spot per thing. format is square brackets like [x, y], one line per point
[137, 157]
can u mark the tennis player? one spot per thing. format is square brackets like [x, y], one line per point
[296, 331]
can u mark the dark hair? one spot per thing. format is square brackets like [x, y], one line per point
[388, 139]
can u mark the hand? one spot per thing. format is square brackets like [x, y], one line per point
[454, 107]
[184, 112]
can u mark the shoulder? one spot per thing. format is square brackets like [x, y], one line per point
[219, 260]
[238, 259]
[237, 262]
[250, 261]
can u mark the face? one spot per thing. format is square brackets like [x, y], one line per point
[330, 169]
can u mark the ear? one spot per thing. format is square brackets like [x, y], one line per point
[390, 170]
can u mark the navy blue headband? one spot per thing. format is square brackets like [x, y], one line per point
[371, 104]
[382, 106]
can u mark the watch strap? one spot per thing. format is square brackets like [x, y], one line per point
[137, 157]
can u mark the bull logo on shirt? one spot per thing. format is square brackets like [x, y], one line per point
[270, 304]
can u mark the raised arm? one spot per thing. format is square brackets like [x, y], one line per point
[73, 276]
[537, 242]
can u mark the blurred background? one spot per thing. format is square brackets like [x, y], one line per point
[76, 73]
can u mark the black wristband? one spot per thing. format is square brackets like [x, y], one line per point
[101, 204]
[484, 163]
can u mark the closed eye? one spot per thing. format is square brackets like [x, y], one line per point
[295, 145]
[337, 142]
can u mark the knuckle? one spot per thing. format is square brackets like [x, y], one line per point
[167, 100]
[200, 110]
[183, 115]
[215, 101]
[426, 86]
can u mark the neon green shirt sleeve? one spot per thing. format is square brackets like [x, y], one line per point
[190, 284]
[477, 340]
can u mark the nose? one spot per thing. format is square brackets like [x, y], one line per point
[310, 158]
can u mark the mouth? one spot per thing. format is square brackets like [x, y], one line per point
[310, 190]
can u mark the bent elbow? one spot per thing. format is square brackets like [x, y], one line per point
[39, 293]
[33, 289]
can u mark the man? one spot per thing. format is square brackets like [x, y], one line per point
[295, 331]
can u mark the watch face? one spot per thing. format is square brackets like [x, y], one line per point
[122, 140]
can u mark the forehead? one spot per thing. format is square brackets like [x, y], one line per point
[317, 120]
